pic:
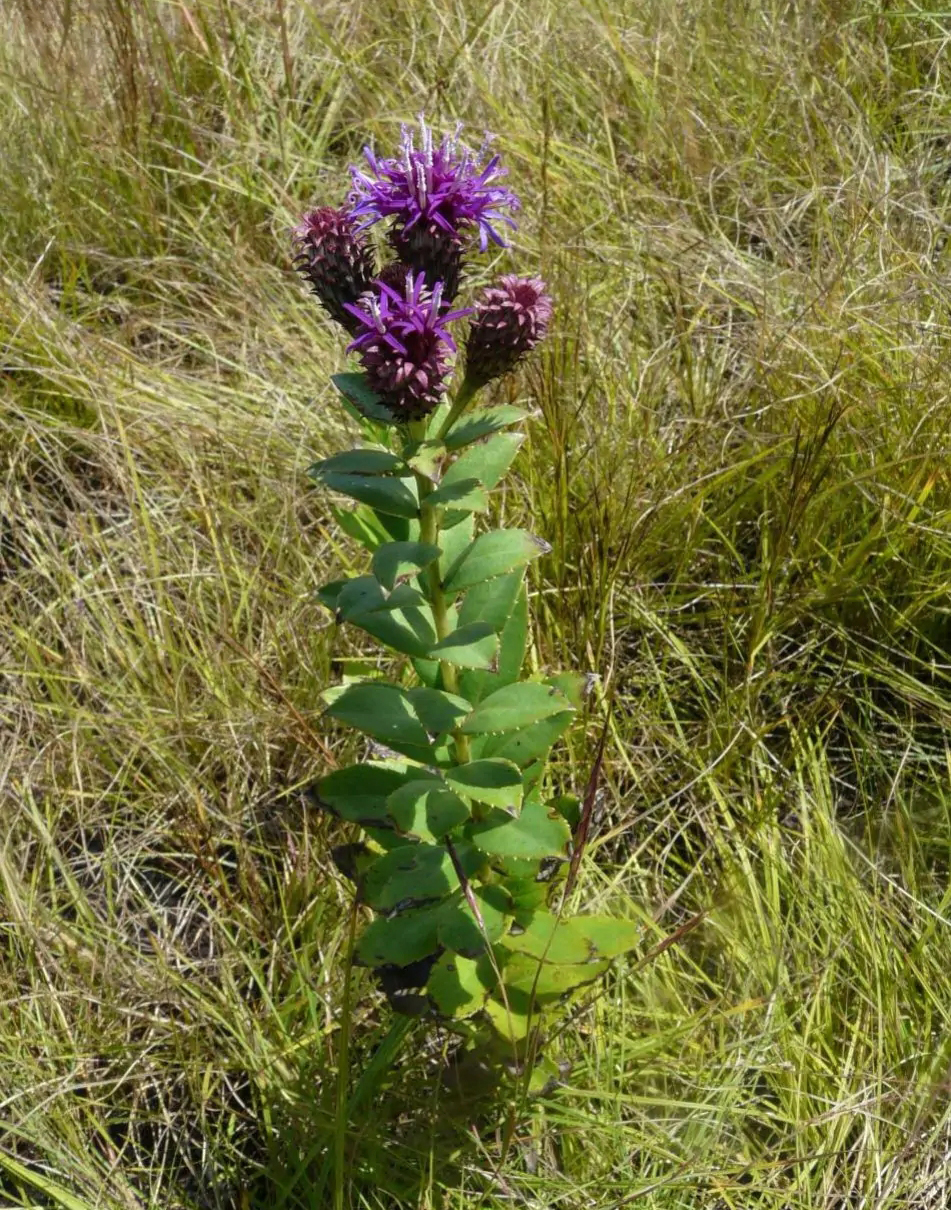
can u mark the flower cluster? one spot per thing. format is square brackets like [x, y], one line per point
[436, 198]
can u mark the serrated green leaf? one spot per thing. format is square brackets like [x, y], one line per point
[428, 672]
[458, 986]
[461, 932]
[359, 792]
[358, 595]
[426, 809]
[528, 744]
[492, 601]
[381, 710]
[357, 462]
[473, 646]
[486, 462]
[327, 594]
[513, 643]
[483, 423]
[528, 893]
[403, 595]
[396, 497]
[437, 710]
[568, 807]
[364, 526]
[527, 981]
[510, 1024]
[425, 457]
[492, 554]
[545, 936]
[533, 833]
[464, 495]
[453, 540]
[497, 782]
[577, 939]
[513, 707]
[399, 940]
[396, 559]
[354, 389]
[409, 630]
[574, 685]
[414, 874]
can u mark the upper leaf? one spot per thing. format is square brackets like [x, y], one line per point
[492, 601]
[371, 529]
[473, 646]
[513, 642]
[486, 462]
[381, 710]
[399, 940]
[464, 495]
[528, 744]
[438, 711]
[526, 980]
[397, 559]
[402, 620]
[492, 554]
[459, 986]
[415, 874]
[481, 423]
[354, 389]
[426, 809]
[513, 707]
[397, 497]
[358, 462]
[359, 793]
[464, 932]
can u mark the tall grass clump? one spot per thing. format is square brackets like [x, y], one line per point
[737, 453]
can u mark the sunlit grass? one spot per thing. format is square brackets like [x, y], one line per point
[740, 458]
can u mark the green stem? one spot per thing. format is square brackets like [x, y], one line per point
[429, 533]
[462, 400]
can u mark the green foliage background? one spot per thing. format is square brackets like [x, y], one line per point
[740, 459]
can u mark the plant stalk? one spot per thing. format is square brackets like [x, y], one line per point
[429, 533]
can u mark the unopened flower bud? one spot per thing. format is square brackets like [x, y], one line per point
[509, 321]
[334, 258]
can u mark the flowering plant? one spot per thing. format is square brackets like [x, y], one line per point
[463, 844]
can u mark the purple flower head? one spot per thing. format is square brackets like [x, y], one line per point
[333, 256]
[442, 190]
[404, 344]
[509, 321]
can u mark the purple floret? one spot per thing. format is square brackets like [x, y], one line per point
[404, 345]
[441, 190]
